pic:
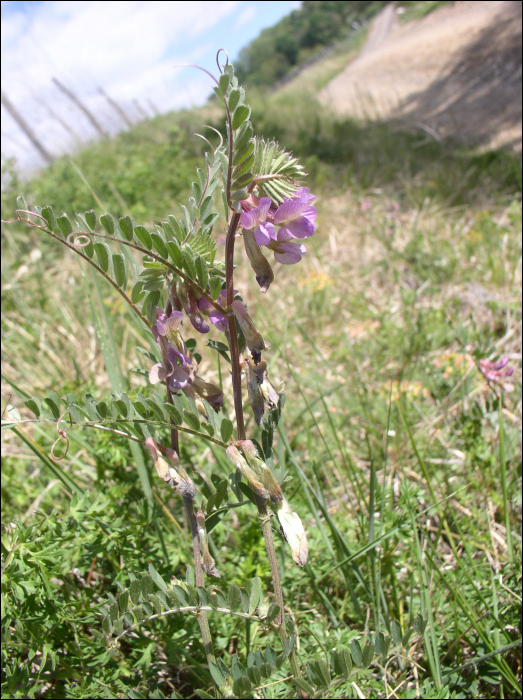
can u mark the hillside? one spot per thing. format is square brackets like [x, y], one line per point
[456, 72]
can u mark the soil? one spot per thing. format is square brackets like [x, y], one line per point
[456, 72]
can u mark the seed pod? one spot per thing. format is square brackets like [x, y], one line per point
[239, 462]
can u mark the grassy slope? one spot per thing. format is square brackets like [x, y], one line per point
[410, 278]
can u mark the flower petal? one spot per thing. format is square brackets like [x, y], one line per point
[292, 208]
[264, 233]
[299, 228]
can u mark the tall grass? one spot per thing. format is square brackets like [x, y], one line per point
[404, 461]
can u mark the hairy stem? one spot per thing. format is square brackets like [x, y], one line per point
[265, 521]
[201, 615]
[233, 336]
[240, 426]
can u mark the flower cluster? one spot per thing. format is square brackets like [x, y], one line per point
[497, 372]
[178, 367]
[277, 228]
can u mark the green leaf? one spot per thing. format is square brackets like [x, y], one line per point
[176, 253]
[379, 641]
[303, 685]
[355, 650]
[53, 402]
[181, 595]
[396, 632]
[271, 655]
[274, 611]
[34, 406]
[126, 227]
[216, 674]
[289, 644]
[123, 601]
[202, 272]
[406, 637]
[224, 83]
[226, 429]
[367, 655]
[256, 594]
[106, 625]
[102, 253]
[254, 675]
[48, 214]
[242, 181]
[137, 293]
[234, 597]
[90, 218]
[174, 413]
[135, 590]
[158, 580]
[243, 137]
[155, 602]
[107, 222]
[188, 262]
[191, 419]
[64, 224]
[419, 624]
[143, 236]
[199, 693]
[119, 269]
[239, 195]
[342, 662]
[160, 245]
[215, 285]
[241, 686]
[323, 671]
[241, 114]
[234, 98]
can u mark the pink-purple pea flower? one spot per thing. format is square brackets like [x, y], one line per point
[496, 371]
[277, 228]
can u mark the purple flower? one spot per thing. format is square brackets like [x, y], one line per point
[172, 350]
[257, 219]
[296, 216]
[286, 250]
[215, 317]
[496, 371]
[293, 219]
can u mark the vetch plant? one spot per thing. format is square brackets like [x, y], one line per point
[180, 286]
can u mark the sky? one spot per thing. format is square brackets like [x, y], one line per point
[130, 49]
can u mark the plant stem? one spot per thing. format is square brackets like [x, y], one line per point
[264, 515]
[263, 511]
[201, 615]
[233, 336]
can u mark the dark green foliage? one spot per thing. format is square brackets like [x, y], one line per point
[296, 37]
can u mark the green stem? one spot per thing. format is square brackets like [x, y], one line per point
[201, 615]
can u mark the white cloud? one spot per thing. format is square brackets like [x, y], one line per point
[245, 16]
[129, 48]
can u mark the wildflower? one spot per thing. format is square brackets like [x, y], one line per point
[259, 263]
[206, 390]
[292, 529]
[253, 480]
[253, 337]
[262, 393]
[184, 297]
[208, 564]
[173, 473]
[293, 219]
[497, 372]
[215, 317]
[262, 470]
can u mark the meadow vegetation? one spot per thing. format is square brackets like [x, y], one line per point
[405, 461]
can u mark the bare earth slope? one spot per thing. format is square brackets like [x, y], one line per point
[455, 72]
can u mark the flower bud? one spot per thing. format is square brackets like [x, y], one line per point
[190, 306]
[293, 531]
[207, 561]
[262, 394]
[239, 462]
[261, 469]
[253, 337]
[173, 473]
[259, 263]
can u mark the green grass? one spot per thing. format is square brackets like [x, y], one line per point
[406, 470]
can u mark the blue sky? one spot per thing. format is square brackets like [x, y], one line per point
[129, 48]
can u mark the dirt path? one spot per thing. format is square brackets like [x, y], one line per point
[455, 72]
